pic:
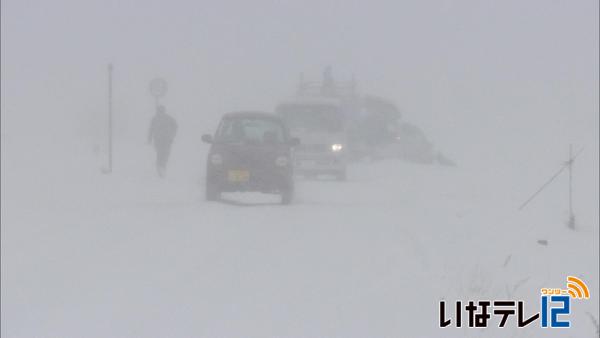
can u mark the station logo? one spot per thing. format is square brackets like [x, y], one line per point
[555, 307]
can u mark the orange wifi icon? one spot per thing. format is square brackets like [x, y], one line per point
[577, 288]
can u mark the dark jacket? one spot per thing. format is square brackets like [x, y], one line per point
[162, 130]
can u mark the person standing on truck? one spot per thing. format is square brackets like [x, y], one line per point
[328, 85]
[162, 132]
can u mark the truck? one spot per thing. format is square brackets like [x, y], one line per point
[336, 125]
[320, 125]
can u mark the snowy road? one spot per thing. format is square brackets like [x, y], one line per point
[370, 257]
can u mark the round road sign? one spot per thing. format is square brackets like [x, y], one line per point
[158, 87]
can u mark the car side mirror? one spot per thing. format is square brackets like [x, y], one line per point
[207, 138]
[294, 142]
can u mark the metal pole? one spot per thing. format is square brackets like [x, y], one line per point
[570, 180]
[571, 215]
[542, 187]
[566, 165]
[110, 121]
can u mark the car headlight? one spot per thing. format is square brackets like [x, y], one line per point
[216, 159]
[281, 161]
[336, 147]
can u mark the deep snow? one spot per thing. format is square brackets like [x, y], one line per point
[127, 254]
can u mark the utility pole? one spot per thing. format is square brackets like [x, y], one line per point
[571, 222]
[569, 166]
[110, 119]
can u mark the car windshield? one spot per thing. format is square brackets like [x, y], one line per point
[248, 130]
[316, 118]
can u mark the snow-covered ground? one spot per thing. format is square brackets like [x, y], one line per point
[500, 87]
[128, 255]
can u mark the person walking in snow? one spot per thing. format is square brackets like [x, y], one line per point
[162, 132]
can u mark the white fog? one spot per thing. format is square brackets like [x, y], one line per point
[460, 112]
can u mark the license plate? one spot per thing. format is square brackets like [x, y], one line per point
[238, 175]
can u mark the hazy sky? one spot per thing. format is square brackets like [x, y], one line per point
[460, 69]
